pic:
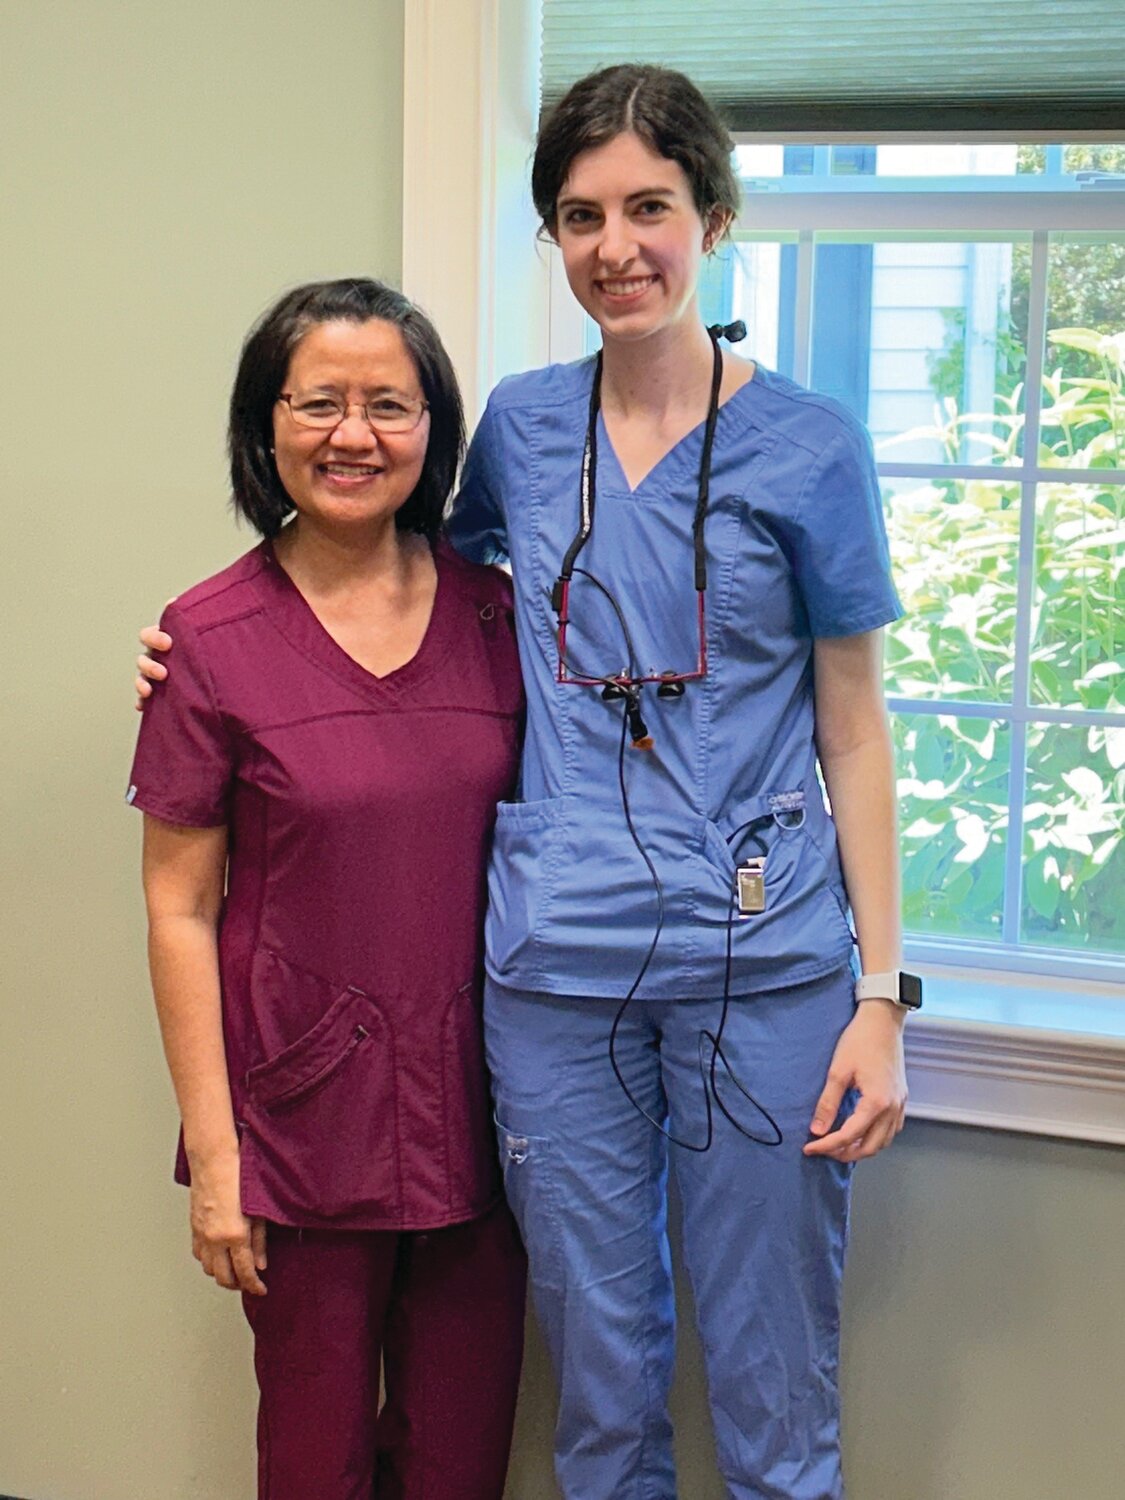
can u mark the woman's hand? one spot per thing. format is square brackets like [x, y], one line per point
[868, 1058]
[230, 1247]
[150, 670]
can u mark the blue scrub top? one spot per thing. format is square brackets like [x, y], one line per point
[796, 548]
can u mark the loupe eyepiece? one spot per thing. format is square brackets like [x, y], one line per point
[638, 729]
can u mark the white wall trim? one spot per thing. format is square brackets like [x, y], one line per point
[1017, 1078]
[469, 256]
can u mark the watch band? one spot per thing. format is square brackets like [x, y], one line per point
[896, 985]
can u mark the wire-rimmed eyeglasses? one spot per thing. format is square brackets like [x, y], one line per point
[389, 412]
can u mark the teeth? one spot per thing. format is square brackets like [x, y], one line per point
[351, 470]
[627, 288]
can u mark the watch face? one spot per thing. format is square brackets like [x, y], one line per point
[909, 990]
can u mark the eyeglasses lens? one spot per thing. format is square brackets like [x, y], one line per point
[384, 414]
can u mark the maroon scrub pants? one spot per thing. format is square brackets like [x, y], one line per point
[442, 1309]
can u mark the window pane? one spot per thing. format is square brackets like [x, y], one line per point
[1078, 648]
[1091, 157]
[953, 551]
[931, 353]
[1083, 421]
[953, 808]
[761, 290]
[937, 165]
[1074, 824]
[949, 159]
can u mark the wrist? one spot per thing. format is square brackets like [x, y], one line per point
[897, 987]
[887, 1011]
[209, 1155]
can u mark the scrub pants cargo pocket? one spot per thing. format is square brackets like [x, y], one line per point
[531, 1191]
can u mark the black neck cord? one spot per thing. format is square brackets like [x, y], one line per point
[587, 492]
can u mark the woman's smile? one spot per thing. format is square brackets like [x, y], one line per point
[349, 475]
[622, 289]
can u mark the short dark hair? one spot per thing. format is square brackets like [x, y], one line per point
[257, 492]
[662, 107]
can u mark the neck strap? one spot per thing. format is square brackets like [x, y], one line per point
[587, 494]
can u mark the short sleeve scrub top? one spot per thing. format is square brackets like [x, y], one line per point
[360, 810]
[796, 548]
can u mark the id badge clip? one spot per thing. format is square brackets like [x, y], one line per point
[751, 886]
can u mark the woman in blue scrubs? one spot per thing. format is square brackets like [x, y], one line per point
[668, 940]
[701, 580]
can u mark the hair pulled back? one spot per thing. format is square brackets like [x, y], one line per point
[661, 107]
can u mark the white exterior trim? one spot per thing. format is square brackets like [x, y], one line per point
[946, 214]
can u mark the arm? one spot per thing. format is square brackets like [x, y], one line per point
[184, 870]
[854, 747]
[476, 525]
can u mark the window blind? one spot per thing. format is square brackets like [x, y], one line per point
[777, 65]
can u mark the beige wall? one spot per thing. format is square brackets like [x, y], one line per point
[168, 168]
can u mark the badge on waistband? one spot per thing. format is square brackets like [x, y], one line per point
[751, 879]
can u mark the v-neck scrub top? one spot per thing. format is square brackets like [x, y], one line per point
[796, 548]
[359, 811]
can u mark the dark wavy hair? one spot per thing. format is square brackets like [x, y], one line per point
[663, 108]
[257, 492]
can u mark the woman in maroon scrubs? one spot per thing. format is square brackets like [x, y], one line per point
[319, 779]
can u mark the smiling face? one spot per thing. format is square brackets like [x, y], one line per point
[631, 238]
[349, 476]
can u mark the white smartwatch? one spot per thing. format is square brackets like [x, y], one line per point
[896, 984]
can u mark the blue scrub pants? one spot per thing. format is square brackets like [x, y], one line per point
[764, 1231]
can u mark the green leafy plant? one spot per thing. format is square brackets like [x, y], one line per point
[955, 545]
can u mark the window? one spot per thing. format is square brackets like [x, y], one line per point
[968, 303]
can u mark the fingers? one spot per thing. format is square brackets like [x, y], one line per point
[854, 1129]
[241, 1259]
[235, 1266]
[148, 669]
[155, 639]
[151, 669]
[232, 1267]
[869, 1130]
[258, 1243]
[828, 1105]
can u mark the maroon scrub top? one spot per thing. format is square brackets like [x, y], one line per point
[360, 810]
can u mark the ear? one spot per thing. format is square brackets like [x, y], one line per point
[716, 224]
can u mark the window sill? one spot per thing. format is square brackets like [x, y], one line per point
[1025, 1056]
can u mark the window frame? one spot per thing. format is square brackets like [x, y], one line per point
[1027, 205]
